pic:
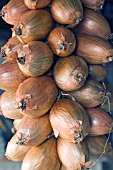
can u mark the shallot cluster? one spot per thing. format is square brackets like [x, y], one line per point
[53, 81]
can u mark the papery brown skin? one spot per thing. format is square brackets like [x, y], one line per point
[62, 41]
[15, 152]
[101, 122]
[90, 95]
[35, 96]
[33, 132]
[8, 51]
[8, 105]
[10, 76]
[16, 123]
[72, 156]
[94, 49]
[94, 4]
[69, 120]
[97, 72]
[12, 12]
[70, 73]
[96, 145]
[35, 58]
[42, 157]
[108, 103]
[67, 12]
[93, 23]
[33, 25]
[34, 4]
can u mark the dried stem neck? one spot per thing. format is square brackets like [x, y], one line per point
[111, 37]
[78, 137]
[3, 54]
[18, 31]
[21, 141]
[21, 60]
[62, 46]
[101, 6]
[80, 79]
[77, 20]
[1, 13]
[110, 58]
[22, 105]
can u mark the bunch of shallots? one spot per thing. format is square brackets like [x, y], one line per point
[53, 77]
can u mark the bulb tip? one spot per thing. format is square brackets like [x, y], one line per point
[78, 19]
[22, 105]
[3, 54]
[101, 6]
[111, 37]
[18, 31]
[81, 79]
[110, 58]
[62, 46]
[21, 60]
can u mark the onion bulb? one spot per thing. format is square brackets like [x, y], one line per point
[73, 156]
[33, 132]
[70, 73]
[69, 120]
[93, 49]
[97, 72]
[33, 25]
[43, 157]
[67, 11]
[93, 23]
[93, 4]
[15, 152]
[34, 59]
[33, 4]
[12, 12]
[10, 75]
[8, 50]
[101, 122]
[62, 41]
[90, 95]
[8, 105]
[35, 96]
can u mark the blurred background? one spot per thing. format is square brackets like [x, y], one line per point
[105, 163]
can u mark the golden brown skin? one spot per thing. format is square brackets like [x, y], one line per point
[93, 49]
[67, 11]
[93, 23]
[35, 96]
[10, 76]
[73, 156]
[70, 73]
[8, 105]
[93, 4]
[69, 120]
[35, 58]
[90, 95]
[33, 25]
[33, 132]
[62, 41]
[12, 12]
[43, 157]
[34, 4]
[15, 152]
[97, 72]
[100, 122]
